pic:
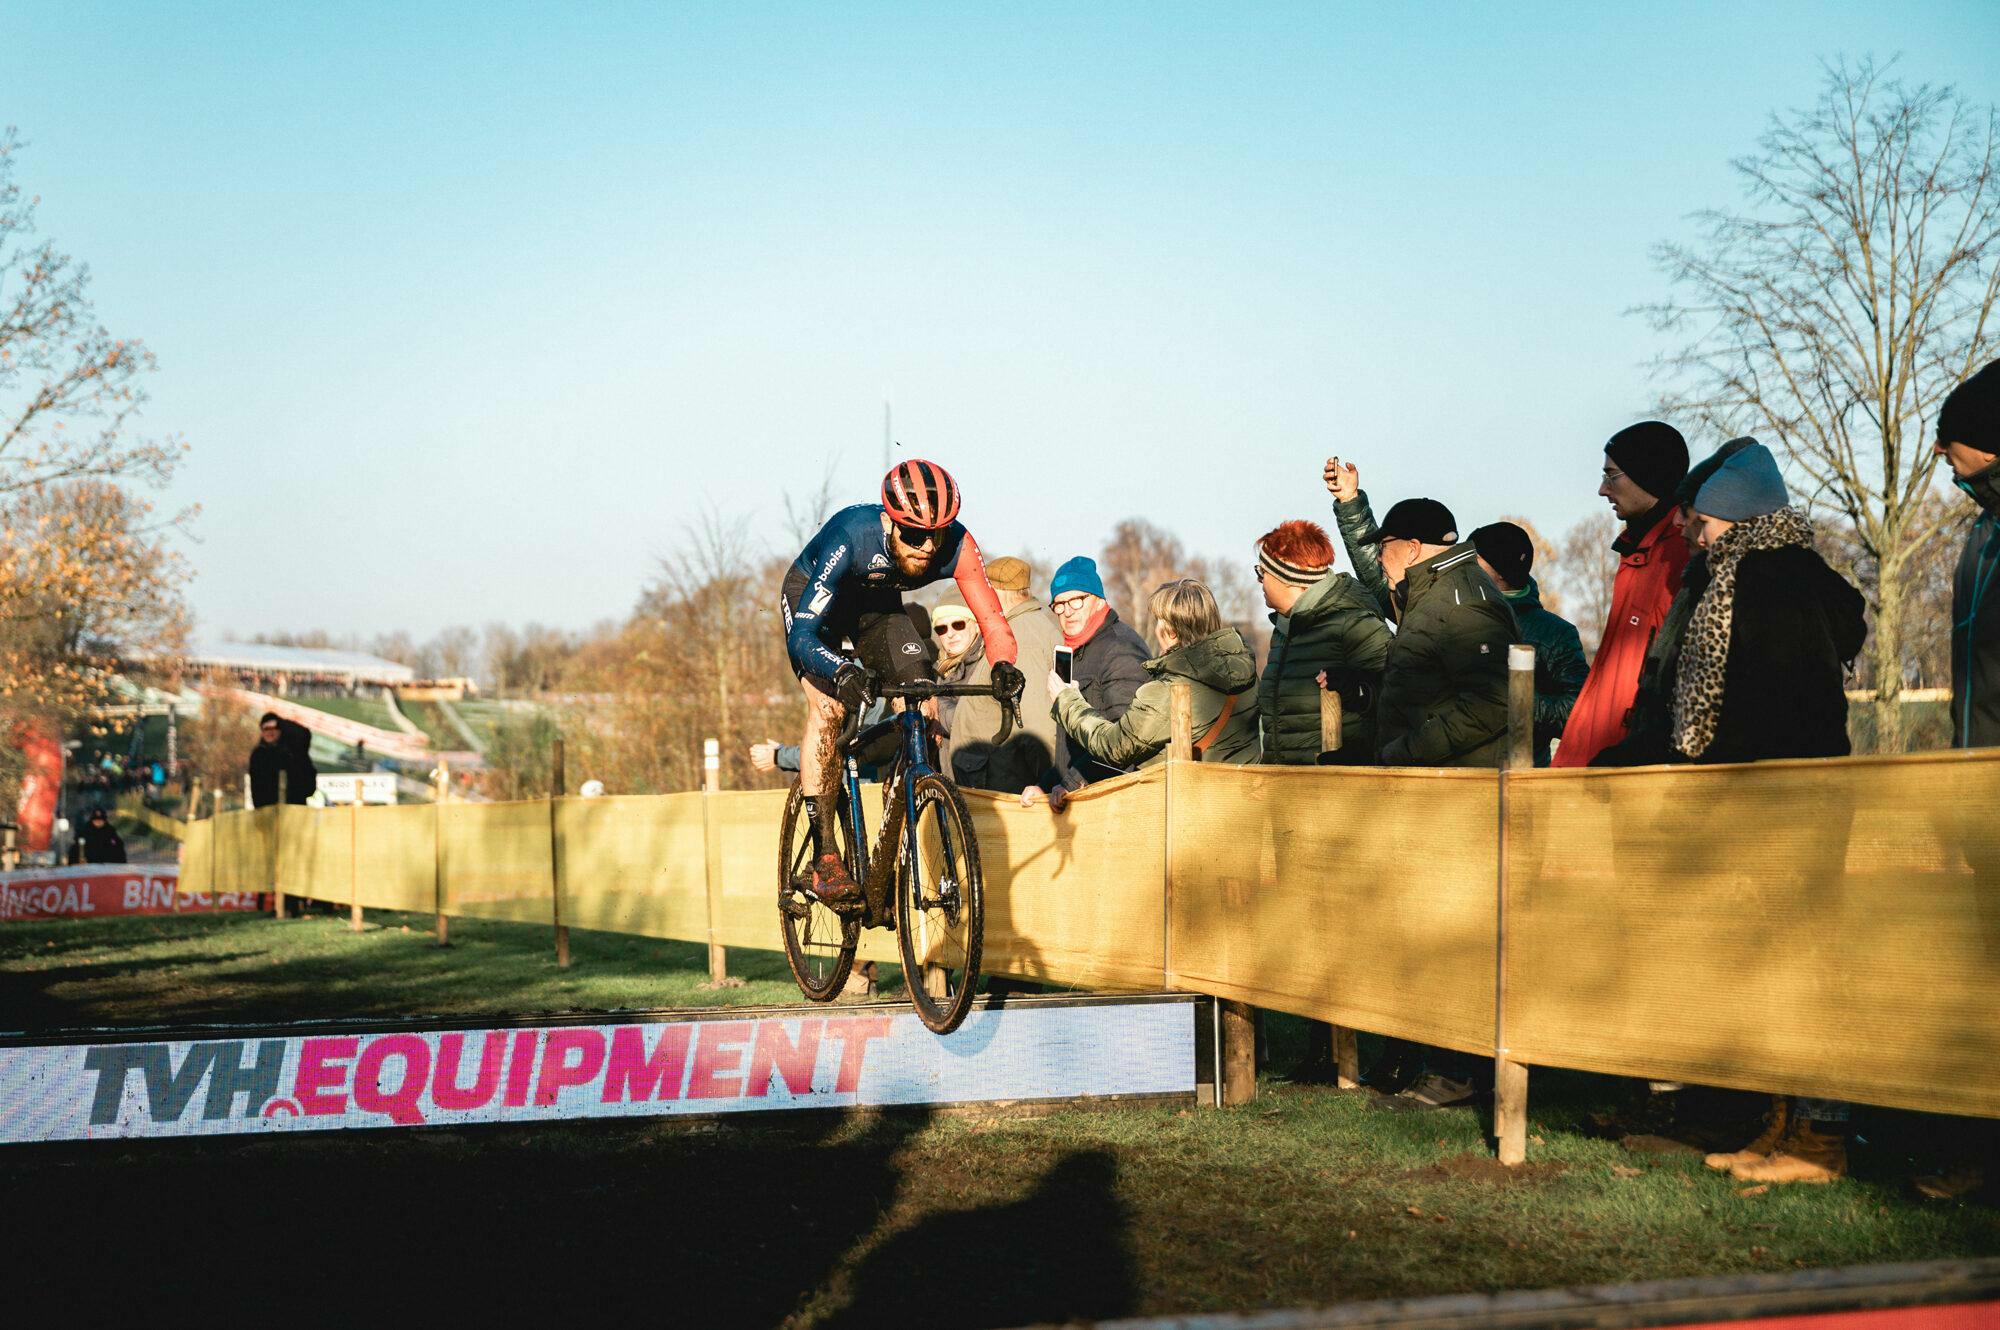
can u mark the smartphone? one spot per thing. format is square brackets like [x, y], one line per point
[1066, 664]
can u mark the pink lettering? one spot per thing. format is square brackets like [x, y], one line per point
[775, 1052]
[854, 1032]
[717, 1040]
[400, 1103]
[445, 1091]
[558, 1071]
[522, 1068]
[631, 1075]
[323, 1068]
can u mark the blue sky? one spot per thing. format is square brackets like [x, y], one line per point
[469, 310]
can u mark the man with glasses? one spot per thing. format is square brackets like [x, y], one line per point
[1108, 665]
[284, 747]
[1643, 466]
[848, 584]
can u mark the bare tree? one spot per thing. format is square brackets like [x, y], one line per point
[68, 388]
[1547, 562]
[1834, 313]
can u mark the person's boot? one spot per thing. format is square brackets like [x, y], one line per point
[1776, 1118]
[1803, 1155]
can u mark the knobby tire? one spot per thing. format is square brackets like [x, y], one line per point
[939, 805]
[820, 942]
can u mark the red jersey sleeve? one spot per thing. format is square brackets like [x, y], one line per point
[970, 575]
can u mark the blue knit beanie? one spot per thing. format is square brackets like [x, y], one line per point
[1746, 485]
[1079, 574]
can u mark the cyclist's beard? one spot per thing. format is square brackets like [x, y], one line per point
[909, 562]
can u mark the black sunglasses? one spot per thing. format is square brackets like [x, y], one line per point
[916, 537]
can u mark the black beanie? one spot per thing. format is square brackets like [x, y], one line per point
[1653, 454]
[1509, 550]
[1971, 414]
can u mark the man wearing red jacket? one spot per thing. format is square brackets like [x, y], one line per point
[1643, 464]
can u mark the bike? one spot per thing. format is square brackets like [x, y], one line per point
[920, 877]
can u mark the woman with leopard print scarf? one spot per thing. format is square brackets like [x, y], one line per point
[1763, 665]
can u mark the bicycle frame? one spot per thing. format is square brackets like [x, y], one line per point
[876, 867]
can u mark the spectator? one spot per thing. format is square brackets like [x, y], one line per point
[959, 652]
[1649, 721]
[1020, 762]
[1444, 693]
[1761, 674]
[1325, 625]
[1968, 437]
[1109, 666]
[1444, 680]
[1643, 464]
[283, 746]
[1507, 553]
[1762, 670]
[100, 842]
[1195, 647]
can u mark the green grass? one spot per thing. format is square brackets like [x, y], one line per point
[367, 710]
[425, 716]
[1304, 1196]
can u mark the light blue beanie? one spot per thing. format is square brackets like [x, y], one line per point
[1079, 574]
[1747, 485]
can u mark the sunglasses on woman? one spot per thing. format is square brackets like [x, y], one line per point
[955, 626]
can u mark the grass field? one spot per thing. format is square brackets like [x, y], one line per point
[367, 710]
[1305, 1196]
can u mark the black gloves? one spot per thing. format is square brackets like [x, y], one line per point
[1008, 681]
[854, 686]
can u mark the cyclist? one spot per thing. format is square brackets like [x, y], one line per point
[848, 583]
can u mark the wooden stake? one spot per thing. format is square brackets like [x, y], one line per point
[1180, 721]
[556, 787]
[711, 785]
[354, 864]
[1239, 1023]
[277, 878]
[1346, 1054]
[1510, 1078]
[443, 926]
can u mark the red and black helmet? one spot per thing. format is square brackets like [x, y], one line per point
[920, 494]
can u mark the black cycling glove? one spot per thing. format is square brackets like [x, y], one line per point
[1008, 681]
[854, 686]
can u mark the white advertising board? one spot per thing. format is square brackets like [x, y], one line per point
[841, 1058]
[377, 787]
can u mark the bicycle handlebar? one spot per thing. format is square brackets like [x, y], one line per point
[923, 690]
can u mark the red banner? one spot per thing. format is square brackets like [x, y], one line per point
[95, 890]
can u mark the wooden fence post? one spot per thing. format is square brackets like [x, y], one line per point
[442, 929]
[1239, 1021]
[711, 785]
[557, 785]
[277, 880]
[354, 864]
[1346, 1049]
[1510, 1078]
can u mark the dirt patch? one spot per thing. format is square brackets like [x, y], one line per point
[1486, 1169]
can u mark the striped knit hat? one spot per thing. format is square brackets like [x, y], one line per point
[1292, 574]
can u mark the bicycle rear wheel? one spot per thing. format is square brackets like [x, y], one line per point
[819, 942]
[940, 907]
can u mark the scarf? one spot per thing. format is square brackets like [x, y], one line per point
[1089, 629]
[1704, 660]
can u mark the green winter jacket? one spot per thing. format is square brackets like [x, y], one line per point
[1356, 519]
[1444, 687]
[1560, 668]
[1335, 626]
[1219, 665]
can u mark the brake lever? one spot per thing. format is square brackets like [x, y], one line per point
[1010, 717]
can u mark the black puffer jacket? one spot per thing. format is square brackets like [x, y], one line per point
[1109, 668]
[1975, 618]
[1335, 627]
[1444, 687]
[1795, 626]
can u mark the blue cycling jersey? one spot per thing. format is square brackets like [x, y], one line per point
[849, 557]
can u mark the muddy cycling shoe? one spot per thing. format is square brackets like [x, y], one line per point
[827, 880]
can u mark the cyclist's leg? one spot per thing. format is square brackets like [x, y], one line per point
[819, 772]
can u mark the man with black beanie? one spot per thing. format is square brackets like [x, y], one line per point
[1507, 553]
[1643, 465]
[1968, 438]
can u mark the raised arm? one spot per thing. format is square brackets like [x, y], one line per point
[970, 575]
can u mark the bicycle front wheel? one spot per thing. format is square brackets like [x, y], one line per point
[940, 906]
[819, 942]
